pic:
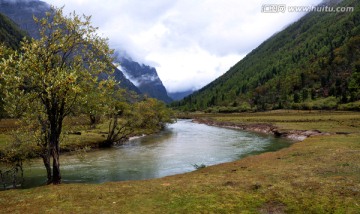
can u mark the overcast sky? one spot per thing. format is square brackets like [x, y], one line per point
[189, 42]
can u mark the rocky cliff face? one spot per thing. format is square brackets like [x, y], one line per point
[145, 78]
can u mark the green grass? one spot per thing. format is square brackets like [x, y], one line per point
[90, 137]
[318, 175]
[71, 139]
[325, 121]
[4, 139]
[6, 126]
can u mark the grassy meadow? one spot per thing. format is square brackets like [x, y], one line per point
[324, 121]
[77, 133]
[318, 175]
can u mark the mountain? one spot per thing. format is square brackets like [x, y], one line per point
[314, 63]
[10, 36]
[22, 12]
[176, 96]
[10, 33]
[145, 78]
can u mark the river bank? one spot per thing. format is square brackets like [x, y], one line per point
[78, 135]
[265, 128]
[320, 174]
[176, 150]
[296, 125]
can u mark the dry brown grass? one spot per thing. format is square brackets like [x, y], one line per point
[318, 175]
[325, 121]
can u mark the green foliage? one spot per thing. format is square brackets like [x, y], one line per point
[353, 106]
[67, 72]
[316, 57]
[10, 33]
[10, 37]
[244, 107]
[152, 115]
[144, 117]
[201, 166]
[328, 103]
[13, 155]
[51, 77]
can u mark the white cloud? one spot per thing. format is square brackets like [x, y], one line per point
[189, 42]
[191, 68]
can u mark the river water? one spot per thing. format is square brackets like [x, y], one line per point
[173, 151]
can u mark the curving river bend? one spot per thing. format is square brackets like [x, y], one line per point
[173, 151]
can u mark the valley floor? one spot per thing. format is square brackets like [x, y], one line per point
[318, 175]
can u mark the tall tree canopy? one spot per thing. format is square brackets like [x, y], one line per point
[50, 77]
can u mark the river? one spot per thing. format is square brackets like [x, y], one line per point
[173, 151]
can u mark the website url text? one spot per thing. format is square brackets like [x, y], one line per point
[282, 8]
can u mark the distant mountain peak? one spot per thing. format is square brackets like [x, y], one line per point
[144, 77]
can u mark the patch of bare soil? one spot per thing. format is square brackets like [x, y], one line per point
[272, 208]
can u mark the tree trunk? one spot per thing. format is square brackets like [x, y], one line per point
[55, 115]
[55, 151]
[45, 155]
[56, 179]
[94, 119]
[46, 160]
[112, 127]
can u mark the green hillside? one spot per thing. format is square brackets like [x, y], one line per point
[10, 33]
[314, 63]
[10, 36]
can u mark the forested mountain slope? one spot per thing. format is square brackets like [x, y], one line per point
[22, 11]
[313, 63]
[10, 33]
[10, 36]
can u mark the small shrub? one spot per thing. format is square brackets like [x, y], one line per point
[201, 166]
[354, 106]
